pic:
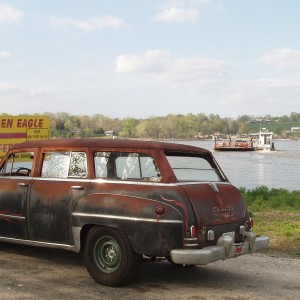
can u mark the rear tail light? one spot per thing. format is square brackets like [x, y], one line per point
[238, 249]
[193, 231]
[251, 222]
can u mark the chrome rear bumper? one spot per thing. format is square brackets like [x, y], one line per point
[225, 248]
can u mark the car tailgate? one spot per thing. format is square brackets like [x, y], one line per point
[216, 203]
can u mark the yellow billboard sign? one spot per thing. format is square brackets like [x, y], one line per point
[18, 129]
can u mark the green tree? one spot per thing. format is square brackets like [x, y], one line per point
[129, 127]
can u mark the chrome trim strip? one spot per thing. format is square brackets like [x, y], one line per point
[203, 182]
[190, 239]
[125, 218]
[105, 180]
[191, 245]
[39, 244]
[137, 182]
[10, 177]
[74, 248]
[12, 217]
[61, 179]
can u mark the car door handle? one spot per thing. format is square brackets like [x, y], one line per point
[22, 184]
[77, 187]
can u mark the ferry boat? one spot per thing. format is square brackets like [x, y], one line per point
[263, 140]
[238, 145]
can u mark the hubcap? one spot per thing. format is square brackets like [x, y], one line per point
[107, 254]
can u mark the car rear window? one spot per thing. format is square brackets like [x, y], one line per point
[192, 168]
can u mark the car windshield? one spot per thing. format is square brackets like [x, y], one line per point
[192, 168]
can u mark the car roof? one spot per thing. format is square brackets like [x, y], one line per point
[110, 143]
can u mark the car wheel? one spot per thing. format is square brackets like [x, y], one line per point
[109, 257]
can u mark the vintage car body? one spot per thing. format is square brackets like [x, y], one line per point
[120, 200]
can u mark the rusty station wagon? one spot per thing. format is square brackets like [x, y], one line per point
[119, 201]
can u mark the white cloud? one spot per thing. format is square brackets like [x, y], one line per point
[152, 61]
[260, 95]
[208, 83]
[4, 54]
[14, 91]
[179, 11]
[7, 88]
[9, 15]
[283, 58]
[275, 83]
[89, 24]
[36, 93]
[177, 15]
[191, 73]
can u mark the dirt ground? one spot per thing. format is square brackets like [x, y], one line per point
[36, 273]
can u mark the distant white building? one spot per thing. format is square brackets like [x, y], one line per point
[110, 132]
[295, 129]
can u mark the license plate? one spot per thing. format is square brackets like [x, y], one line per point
[231, 234]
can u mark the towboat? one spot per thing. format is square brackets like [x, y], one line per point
[263, 140]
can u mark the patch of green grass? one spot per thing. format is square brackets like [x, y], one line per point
[262, 198]
[283, 229]
[276, 213]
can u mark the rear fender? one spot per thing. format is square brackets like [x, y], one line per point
[152, 226]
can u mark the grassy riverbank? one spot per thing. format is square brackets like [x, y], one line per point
[276, 213]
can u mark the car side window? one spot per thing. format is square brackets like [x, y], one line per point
[18, 164]
[126, 166]
[64, 165]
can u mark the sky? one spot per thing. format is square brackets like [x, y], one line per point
[145, 58]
